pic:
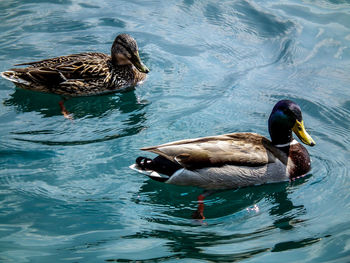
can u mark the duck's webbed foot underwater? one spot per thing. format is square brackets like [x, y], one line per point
[199, 213]
[64, 111]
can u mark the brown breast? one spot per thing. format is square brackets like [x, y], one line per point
[298, 161]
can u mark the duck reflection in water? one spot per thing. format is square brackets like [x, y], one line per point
[231, 201]
[124, 108]
[80, 107]
[171, 204]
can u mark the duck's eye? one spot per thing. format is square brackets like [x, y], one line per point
[286, 112]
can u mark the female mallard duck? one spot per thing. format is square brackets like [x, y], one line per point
[237, 159]
[84, 74]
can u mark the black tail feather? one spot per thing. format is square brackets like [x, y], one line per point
[159, 164]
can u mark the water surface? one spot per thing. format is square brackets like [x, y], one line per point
[66, 193]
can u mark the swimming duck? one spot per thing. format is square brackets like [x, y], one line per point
[235, 160]
[84, 74]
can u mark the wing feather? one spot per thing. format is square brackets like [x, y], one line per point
[66, 68]
[246, 149]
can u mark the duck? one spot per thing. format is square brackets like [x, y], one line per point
[83, 74]
[235, 160]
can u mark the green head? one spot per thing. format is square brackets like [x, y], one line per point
[286, 117]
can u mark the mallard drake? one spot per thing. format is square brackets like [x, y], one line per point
[235, 160]
[84, 74]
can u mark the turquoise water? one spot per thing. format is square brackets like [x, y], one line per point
[66, 192]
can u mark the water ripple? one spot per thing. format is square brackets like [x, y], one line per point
[66, 192]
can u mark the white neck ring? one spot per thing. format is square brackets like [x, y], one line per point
[287, 144]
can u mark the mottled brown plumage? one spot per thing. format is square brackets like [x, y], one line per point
[84, 74]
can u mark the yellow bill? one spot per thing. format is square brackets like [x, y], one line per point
[302, 134]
